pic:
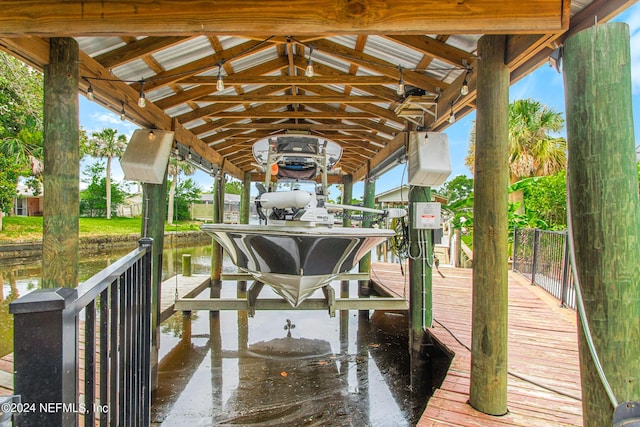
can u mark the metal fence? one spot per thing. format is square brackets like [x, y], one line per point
[543, 256]
[82, 356]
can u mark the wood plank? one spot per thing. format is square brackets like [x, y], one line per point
[180, 286]
[191, 17]
[542, 391]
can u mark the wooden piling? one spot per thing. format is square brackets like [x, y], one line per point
[245, 199]
[365, 263]
[488, 389]
[216, 252]
[604, 210]
[419, 271]
[347, 195]
[61, 199]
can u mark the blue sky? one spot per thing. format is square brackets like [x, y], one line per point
[544, 85]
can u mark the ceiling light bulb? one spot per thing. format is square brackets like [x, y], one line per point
[151, 135]
[452, 117]
[220, 82]
[400, 88]
[142, 102]
[90, 93]
[122, 113]
[464, 90]
[309, 72]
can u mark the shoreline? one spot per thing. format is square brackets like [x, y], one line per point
[91, 244]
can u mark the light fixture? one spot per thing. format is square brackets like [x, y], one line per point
[142, 101]
[464, 90]
[89, 89]
[151, 135]
[309, 72]
[123, 115]
[220, 82]
[452, 116]
[400, 88]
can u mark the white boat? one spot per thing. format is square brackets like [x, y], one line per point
[296, 249]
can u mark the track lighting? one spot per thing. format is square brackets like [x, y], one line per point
[309, 72]
[220, 82]
[400, 88]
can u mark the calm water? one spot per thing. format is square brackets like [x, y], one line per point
[277, 368]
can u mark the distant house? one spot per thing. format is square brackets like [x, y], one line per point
[203, 210]
[26, 203]
[131, 207]
[400, 196]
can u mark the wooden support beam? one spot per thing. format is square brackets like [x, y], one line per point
[489, 363]
[604, 212]
[60, 240]
[288, 99]
[253, 79]
[191, 17]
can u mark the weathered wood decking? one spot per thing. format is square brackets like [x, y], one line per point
[544, 379]
[185, 286]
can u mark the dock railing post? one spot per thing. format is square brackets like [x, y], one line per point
[566, 265]
[534, 260]
[45, 357]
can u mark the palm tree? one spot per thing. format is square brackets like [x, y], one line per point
[532, 149]
[106, 144]
[175, 168]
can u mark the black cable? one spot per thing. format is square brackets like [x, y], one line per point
[509, 372]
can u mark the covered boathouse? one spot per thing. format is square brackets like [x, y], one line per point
[364, 73]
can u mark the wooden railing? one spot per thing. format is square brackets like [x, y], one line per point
[82, 356]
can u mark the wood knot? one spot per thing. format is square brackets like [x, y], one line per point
[356, 8]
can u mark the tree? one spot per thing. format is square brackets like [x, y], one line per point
[93, 200]
[21, 118]
[176, 167]
[456, 189]
[233, 187]
[9, 172]
[547, 200]
[532, 149]
[105, 144]
[186, 193]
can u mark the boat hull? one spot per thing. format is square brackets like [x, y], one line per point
[295, 261]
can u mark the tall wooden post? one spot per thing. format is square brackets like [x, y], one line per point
[245, 199]
[604, 210]
[154, 212]
[420, 271]
[347, 195]
[365, 263]
[61, 199]
[488, 391]
[216, 252]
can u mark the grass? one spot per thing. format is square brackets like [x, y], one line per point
[18, 229]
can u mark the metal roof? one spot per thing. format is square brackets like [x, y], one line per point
[351, 98]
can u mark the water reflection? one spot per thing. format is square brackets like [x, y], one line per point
[264, 371]
[20, 276]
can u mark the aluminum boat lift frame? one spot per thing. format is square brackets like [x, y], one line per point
[330, 302]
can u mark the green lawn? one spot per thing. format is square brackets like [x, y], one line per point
[29, 228]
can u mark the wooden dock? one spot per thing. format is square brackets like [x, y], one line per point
[544, 372]
[185, 287]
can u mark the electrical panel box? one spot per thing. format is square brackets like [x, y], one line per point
[429, 159]
[426, 215]
[146, 157]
